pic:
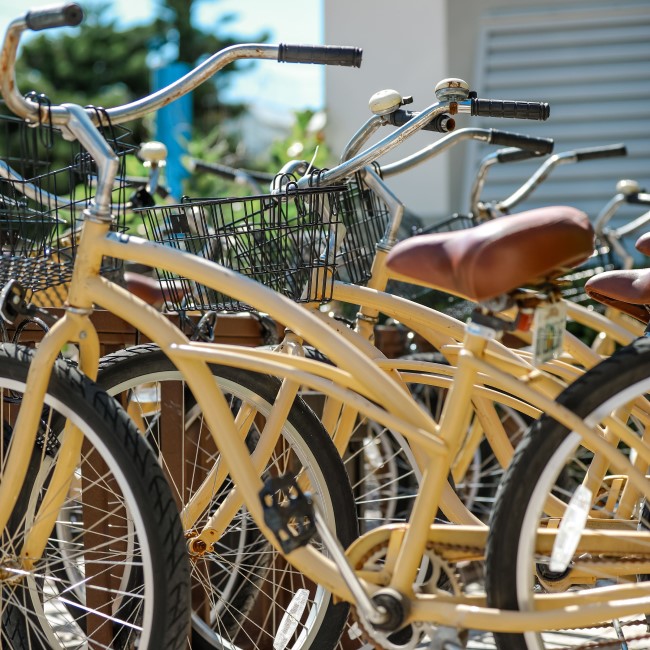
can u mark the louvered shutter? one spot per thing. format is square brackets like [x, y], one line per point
[593, 66]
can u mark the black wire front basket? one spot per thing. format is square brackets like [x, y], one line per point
[366, 217]
[286, 241]
[45, 184]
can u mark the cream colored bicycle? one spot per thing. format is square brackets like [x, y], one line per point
[379, 573]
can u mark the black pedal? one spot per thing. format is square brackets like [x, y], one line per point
[204, 330]
[288, 512]
[13, 305]
[142, 199]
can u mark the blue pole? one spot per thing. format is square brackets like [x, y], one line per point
[174, 125]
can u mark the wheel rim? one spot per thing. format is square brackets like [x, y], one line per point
[552, 477]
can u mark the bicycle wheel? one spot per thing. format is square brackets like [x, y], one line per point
[115, 571]
[548, 484]
[242, 589]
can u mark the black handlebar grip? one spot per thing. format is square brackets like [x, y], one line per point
[231, 173]
[608, 151]
[511, 109]
[68, 15]
[442, 123]
[507, 139]
[640, 198]
[515, 155]
[324, 54]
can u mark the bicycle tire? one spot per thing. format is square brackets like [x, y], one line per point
[138, 583]
[249, 579]
[545, 463]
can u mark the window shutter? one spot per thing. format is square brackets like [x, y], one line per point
[592, 64]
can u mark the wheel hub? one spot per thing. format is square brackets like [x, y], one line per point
[11, 571]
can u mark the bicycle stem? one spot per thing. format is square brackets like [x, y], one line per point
[377, 150]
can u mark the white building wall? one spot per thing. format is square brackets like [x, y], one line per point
[405, 48]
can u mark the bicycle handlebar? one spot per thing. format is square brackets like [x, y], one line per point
[351, 159]
[510, 109]
[445, 124]
[514, 154]
[524, 147]
[535, 146]
[548, 165]
[593, 153]
[69, 15]
[539, 146]
[323, 54]
[227, 172]
[258, 181]
[640, 198]
[630, 195]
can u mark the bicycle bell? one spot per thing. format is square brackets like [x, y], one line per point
[452, 90]
[385, 102]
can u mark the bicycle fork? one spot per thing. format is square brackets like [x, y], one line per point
[75, 327]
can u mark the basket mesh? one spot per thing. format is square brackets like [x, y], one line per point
[286, 241]
[45, 184]
[365, 216]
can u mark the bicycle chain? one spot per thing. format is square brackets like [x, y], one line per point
[613, 643]
[366, 635]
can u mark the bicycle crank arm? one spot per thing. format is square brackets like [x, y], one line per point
[294, 519]
[375, 614]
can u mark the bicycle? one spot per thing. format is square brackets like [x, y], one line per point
[609, 253]
[141, 370]
[91, 584]
[301, 440]
[384, 615]
[623, 377]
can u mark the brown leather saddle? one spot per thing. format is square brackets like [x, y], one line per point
[498, 256]
[628, 291]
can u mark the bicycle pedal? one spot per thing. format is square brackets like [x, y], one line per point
[288, 512]
[12, 301]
